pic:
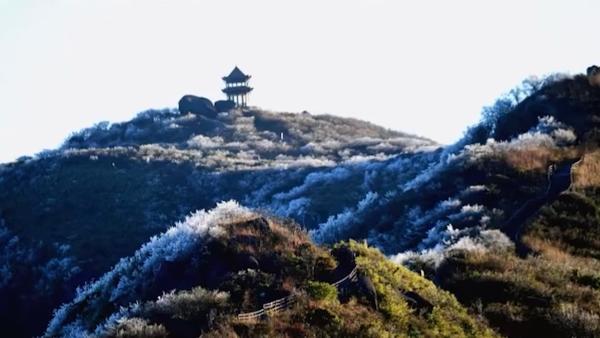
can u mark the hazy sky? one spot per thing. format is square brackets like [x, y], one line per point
[425, 67]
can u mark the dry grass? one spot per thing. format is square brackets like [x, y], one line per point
[538, 158]
[557, 253]
[221, 331]
[550, 249]
[244, 231]
[294, 237]
[287, 238]
[594, 80]
[586, 173]
[354, 309]
[553, 283]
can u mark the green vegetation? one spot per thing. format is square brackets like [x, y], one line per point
[321, 311]
[316, 315]
[355, 316]
[448, 318]
[322, 291]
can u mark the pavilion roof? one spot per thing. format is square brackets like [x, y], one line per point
[236, 75]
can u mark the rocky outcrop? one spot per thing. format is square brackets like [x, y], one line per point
[197, 105]
[223, 106]
[345, 257]
[593, 74]
[415, 301]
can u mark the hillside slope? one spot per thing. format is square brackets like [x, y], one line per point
[72, 213]
[231, 260]
[242, 139]
[514, 229]
[133, 177]
[554, 290]
[476, 185]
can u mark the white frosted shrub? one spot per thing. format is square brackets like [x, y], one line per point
[132, 272]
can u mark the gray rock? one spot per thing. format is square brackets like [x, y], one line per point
[197, 105]
[593, 74]
[344, 256]
[367, 286]
[224, 106]
[415, 301]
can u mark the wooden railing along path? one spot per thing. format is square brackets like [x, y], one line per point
[283, 303]
[349, 276]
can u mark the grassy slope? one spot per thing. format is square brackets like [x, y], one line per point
[554, 291]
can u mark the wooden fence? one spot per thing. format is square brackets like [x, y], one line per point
[281, 304]
[269, 308]
[349, 276]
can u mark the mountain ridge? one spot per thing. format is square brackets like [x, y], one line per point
[441, 211]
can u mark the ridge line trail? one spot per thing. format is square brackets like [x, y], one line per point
[559, 180]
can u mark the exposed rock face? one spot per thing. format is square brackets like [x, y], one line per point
[593, 74]
[344, 256]
[224, 106]
[368, 288]
[197, 105]
[414, 300]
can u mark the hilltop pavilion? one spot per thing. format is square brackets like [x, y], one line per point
[236, 87]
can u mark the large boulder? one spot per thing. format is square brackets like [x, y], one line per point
[345, 257]
[223, 106]
[197, 105]
[593, 74]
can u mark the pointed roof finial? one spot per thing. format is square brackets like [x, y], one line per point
[236, 75]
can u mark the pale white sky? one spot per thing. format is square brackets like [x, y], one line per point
[424, 67]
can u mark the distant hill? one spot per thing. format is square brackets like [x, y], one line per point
[242, 139]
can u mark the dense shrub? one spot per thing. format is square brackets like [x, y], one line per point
[321, 291]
